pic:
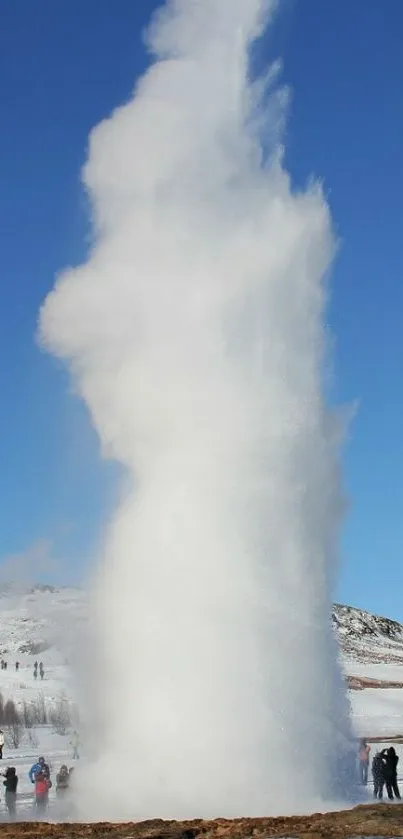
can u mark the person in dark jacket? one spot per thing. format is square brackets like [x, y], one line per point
[390, 773]
[378, 766]
[62, 781]
[11, 783]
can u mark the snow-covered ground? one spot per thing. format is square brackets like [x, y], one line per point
[57, 751]
[21, 686]
[44, 624]
[372, 647]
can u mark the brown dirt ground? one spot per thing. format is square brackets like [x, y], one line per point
[382, 820]
[362, 682]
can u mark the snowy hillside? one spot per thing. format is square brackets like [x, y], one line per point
[45, 623]
[368, 638]
[41, 624]
[372, 657]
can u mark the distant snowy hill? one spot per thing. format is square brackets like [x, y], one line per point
[46, 620]
[365, 637]
[42, 621]
[46, 624]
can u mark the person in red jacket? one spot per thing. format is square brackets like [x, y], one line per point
[42, 787]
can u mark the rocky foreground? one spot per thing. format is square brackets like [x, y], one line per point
[383, 820]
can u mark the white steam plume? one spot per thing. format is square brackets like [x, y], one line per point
[195, 334]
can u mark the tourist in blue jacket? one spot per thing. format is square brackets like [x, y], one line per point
[41, 766]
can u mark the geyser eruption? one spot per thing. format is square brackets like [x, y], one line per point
[195, 335]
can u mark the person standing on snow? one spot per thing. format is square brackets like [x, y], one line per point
[62, 781]
[390, 773]
[42, 787]
[1, 743]
[75, 744]
[363, 761]
[40, 767]
[11, 783]
[378, 767]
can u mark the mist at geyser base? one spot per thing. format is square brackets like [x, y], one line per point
[195, 333]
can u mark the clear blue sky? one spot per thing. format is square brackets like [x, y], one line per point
[63, 67]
